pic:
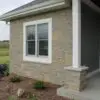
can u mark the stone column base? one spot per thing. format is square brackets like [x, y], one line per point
[76, 79]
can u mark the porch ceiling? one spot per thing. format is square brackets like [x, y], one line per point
[97, 2]
[94, 4]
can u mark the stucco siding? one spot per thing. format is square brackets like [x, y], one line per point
[61, 48]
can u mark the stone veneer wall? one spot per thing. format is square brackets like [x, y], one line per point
[77, 80]
[62, 48]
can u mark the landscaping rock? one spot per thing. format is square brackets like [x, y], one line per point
[20, 92]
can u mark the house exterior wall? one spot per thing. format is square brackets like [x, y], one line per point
[90, 38]
[61, 48]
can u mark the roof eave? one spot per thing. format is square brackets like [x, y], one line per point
[44, 7]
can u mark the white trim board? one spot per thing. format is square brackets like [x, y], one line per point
[40, 59]
[93, 73]
[42, 7]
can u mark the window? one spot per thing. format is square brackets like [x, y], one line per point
[37, 41]
[30, 40]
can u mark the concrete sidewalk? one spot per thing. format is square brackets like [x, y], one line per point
[92, 92]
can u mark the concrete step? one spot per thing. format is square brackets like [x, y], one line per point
[73, 95]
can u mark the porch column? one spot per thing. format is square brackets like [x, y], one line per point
[76, 16]
[77, 75]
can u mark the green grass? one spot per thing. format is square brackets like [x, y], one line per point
[4, 59]
[4, 52]
[4, 44]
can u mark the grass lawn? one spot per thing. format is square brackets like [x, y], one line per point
[4, 52]
[4, 59]
[4, 55]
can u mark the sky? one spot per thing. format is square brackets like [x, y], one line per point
[5, 6]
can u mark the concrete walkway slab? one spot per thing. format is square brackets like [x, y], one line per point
[92, 92]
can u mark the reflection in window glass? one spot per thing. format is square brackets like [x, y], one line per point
[30, 41]
[42, 32]
[37, 39]
[30, 32]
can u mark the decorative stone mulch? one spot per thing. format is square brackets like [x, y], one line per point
[8, 89]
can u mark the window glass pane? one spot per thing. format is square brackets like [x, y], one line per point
[42, 32]
[30, 32]
[43, 47]
[30, 47]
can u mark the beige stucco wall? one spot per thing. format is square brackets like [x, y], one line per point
[62, 48]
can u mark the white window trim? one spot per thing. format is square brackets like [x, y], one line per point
[41, 59]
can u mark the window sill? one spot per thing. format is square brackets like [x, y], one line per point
[44, 60]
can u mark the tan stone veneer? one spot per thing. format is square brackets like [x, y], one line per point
[76, 82]
[77, 78]
[61, 48]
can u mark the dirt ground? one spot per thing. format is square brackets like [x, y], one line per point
[8, 89]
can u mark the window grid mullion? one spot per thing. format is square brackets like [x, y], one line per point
[26, 42]
[37, 44]
[36, 40]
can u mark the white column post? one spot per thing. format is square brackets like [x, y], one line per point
[76, 16]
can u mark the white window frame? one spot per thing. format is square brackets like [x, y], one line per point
[40, 59]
